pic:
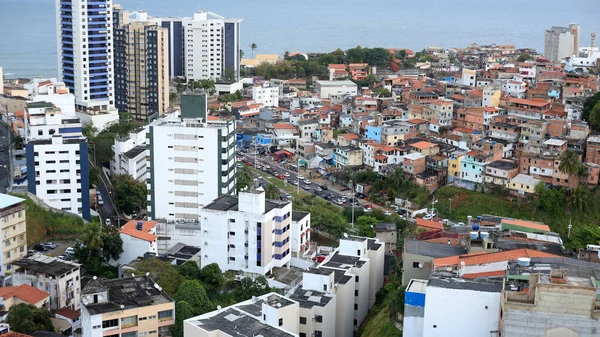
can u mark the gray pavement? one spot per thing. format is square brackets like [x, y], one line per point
[4, 158]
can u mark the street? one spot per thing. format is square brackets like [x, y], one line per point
[4, 159]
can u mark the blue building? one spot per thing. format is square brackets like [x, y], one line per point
[414, 308]
[174, 27]
[373, 133]
[85, 51]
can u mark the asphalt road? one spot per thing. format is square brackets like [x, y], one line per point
[334, 193]
[4, 160]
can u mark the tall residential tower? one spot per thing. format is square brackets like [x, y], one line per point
[561, 42]
[85, 53]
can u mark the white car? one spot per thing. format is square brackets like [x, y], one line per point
[285, 174]
[107, 222]
[387, 213]
[307, 182]
[301, 177]
[428, 217]
[70, 251]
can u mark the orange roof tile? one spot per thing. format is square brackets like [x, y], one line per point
[212, 118]
[478, 258]
[417, 121]
[25, 292]
[476, 93]
[380, 157]
[130, 229]
[523, 101]
[283, 126]
[423, 145]
[528, 224]
[15, 334]
[388, 148]
[429, 224]
[337, 66]
[464, 130]
[458, 97]
[69, 313]
[473, 153]
[349, 136]
[496, 273]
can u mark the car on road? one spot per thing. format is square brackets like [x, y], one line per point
[428, 216]
[1, 148]
[286, 174]
[328, 197]
[280, 176]
[324, 187]
[387, 213]
[40, 248]
[317, 192]
[339, 201]
[301, 177]
[344, 188]
[360, 195]
[65, 257]
[318, 188]
[356, 203]
[293, 182]
[307, 182]
[107, 221]
[306, 187]
[401, 211]
[50, 245]
[368, 208]
[70, 251]
[100, 200]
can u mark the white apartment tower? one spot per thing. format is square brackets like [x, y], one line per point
[561, 42]
[211, 45]
[192, 161]
[85, 51]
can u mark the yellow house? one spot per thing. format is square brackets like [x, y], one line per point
[523, 184]
[134, 306]
[454, 166]
[13, 226]
[23, 294]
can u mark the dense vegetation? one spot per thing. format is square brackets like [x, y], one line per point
[197, 291]
[26, 318]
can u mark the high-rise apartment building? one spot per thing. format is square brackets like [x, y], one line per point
[84, 35]
[174, 27]
[211, 46]
[14, 231]
[141, 66]
[561, 42]
[57, 159]
[192, 161]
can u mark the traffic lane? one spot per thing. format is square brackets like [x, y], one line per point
[107, 208]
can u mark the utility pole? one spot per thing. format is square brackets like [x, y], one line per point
[570, 226]
[352, 204]
[297, 171]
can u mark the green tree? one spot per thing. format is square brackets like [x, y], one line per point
[26, 318]
[249, 287]
[228, 75]
[212, 277]
[265, 70]
[593, 116]
[253, 47]
[193, 292]
[131, 195]
[18, 142]
[189, 270]
[93, 236]
[579, 199]
[365, 225]
[164, 273]
[569, 162]
[588, 106]
[355, 55]
[102, 148]
[372, 79]
[524, 57]
[272, 192]
[183, 311]
[244, 178]
[382, 92]
[89, 131]
[100, 244]
[94, 175]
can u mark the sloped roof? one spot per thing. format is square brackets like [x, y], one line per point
[484, 258]
[130, 228]
[25, 292]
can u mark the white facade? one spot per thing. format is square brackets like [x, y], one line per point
[137, 242]
[99, 119]
[468, 77]
[52, 91]
[208, 46]
[130, 155]
[249, 234]
[85, 52]
[266, 95]
[300, 233]
[561, 42]
[326, 89]
[191, 164]
[469, 308]
[61, 279]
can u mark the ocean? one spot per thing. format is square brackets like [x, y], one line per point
[28, 32]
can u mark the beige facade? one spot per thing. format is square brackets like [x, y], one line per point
[146, 59]
[14, 237]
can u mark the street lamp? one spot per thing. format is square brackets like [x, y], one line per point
[570, 226]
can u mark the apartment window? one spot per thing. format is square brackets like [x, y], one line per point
[128, 322]
[355, 322]
[355, 306]
[129, 334]
[111, 323]
[319, 319]
[281, 322]
[166, 315]
[302, 334]
[302, 320]
[356, 279]
[318, 333]
[355, 292]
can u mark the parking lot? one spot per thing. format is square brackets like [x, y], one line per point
[60, 248]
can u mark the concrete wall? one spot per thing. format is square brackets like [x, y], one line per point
[410, 272]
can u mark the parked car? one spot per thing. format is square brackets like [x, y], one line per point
[324, 188]
[40, 248]
[70, 251]
[100, 200]
[328, 197]
[428, 216]
[344, 188]
[280, 176]
[318, 192]
[286, 174]
[339, 202]
[318, 188]
[294, 182]
[307, 182]
[301, 177]
[50, 245]
[107, 221]
[387, 213]
[306, 187]
[360, 195]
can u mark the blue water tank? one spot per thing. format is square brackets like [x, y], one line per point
[474, 235]
[475, 227]
[479, 218]
[484, 235]
[139, 226]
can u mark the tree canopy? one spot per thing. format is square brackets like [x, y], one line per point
[26, 318]
[365, 225]
[194, 293]
[212, 277]
[272, 192]
[190, 270]
[591, 111]
[131, 195]
[162, 272]
[100, 244]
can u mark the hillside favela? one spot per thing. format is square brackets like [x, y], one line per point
[179, 176]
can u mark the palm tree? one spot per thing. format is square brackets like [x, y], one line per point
[569, 162]
[244, 178]
[253, 46]
[579, 199]
[93, 237]
[271, 192]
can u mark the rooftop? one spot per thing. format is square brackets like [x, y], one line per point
[452, 282]
[130, 228]
[43, 264]
[484, 258]
[524, 179]
[298, 215]
[235, 322]
[25, 292]
[310, 298]
[124, 293]
[429, 224]
[336, 83]
[8, 200]
[435, 250]
[527, 224]
[343, 261]
[385, 227]
[422, 145]
[417, 286]
[230, 203]
[503, 165]
[135, 151]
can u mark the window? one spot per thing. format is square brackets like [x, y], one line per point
[111, 323]
[166, 315]
[415, 264]
[355, 278]
[355, 306]
[129, 334]
[318, 333]
[319, 319]
[355, 292]
[355, 322]
[281, 322]
[302, 334]
[128, 322]
[302, 320]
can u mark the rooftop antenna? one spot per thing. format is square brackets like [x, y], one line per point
[593, 39]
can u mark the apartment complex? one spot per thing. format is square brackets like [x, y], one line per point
[211, 46]
[130, 155]
[14, 228]
[561, 42]
[59, 278]
[141, 66]
[134, 306]
[192, 161]
[84, 31]
[57, 159]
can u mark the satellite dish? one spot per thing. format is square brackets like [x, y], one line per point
[420, 265]
[279, 305]
[122, 306]
[218, 307]
[147, 273]
[95, 277]
[345, 235]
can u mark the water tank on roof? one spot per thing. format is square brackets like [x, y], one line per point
[523, 261]
[475, 227]
[484, 235]
[479, 218]
[139, 226]
[474, 235]
[494, 142]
